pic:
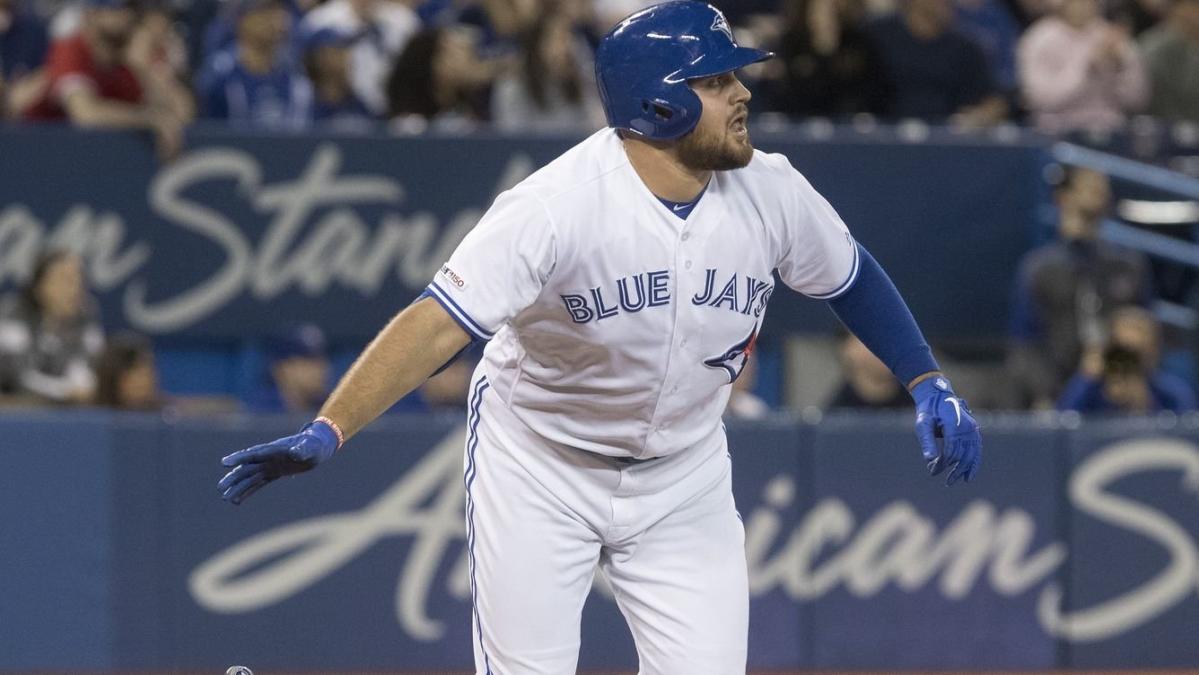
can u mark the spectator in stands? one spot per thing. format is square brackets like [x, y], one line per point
[256, 84]
[50, 334]
[297, 373]
[933, 72]
[214, 24]
[1080, 72]
[1137, 16]
[439, 79]
[1171, 54]
[66, 20]
[127, 378]
[1066, 290]
[1137, 330]
[995, 27]
[1119, 385]
[327, 64]
[379, 30]
[495, 26]
[1121, 381]
[868, 384]
[97, 78]
[161, 47]
[155, 37]
[23, 45]
[831, 68]
[552, 88]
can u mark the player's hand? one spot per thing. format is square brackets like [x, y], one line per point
[254, 467]
[949, 435]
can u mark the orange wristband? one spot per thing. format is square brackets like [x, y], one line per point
[341, 437]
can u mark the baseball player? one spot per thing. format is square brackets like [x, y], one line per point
[620, 290]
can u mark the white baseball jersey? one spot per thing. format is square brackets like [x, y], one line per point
[615, 326]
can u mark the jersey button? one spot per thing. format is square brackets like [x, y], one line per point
[687, 264]
[686, 236]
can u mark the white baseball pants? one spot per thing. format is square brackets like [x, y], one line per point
[542, 517]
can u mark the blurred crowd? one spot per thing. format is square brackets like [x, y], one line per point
[1058, 65]
[54, 352]
[1083, 335]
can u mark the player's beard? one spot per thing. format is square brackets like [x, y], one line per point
[703, 150]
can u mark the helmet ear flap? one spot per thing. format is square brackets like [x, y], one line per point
[661, 113]
[668, 118]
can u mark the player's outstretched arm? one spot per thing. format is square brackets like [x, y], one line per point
[412, 346]
[417, 342]
[875, 312]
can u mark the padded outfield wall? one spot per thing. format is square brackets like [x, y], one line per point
[1077, 546]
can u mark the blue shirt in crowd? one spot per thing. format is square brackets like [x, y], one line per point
[993, 27]
[1168, 392]
[930, 79]
[278, 100]
[351, 114]
[23, 46]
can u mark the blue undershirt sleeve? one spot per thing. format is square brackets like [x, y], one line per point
[873, 310]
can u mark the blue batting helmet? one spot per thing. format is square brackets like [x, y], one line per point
[643, 65]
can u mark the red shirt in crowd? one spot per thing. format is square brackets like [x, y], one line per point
[70, 67]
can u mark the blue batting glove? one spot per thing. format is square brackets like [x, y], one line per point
[254, 467]
[949, 435]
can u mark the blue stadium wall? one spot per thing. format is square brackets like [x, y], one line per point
[343, 230]
[1078, 545]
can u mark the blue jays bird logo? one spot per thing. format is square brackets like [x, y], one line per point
[721, 24]
[733, 360]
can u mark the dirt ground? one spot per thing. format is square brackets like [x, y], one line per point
[1193, 671]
